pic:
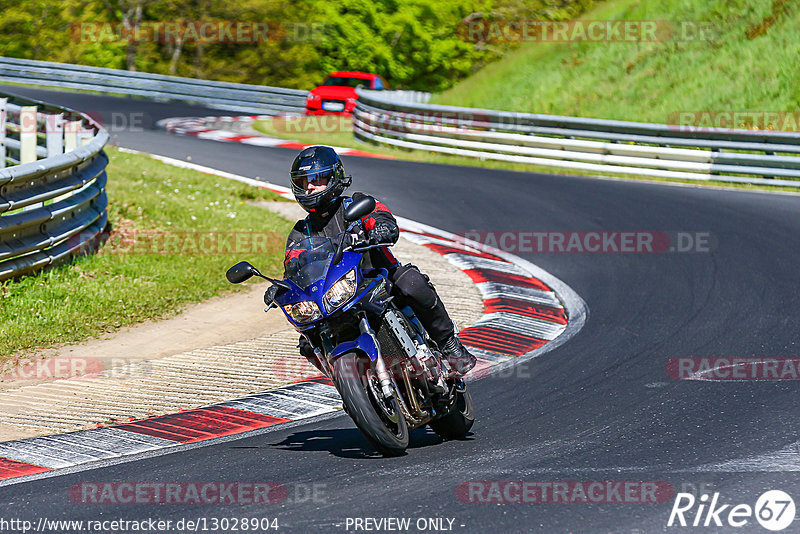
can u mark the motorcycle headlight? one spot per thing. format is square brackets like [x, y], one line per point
[340, 292]
[304, 311]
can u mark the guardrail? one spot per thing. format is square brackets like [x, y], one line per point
[55, 207]
[220, 95]
[407, 97]
[643, 149]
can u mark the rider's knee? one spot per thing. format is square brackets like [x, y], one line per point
[414, 285]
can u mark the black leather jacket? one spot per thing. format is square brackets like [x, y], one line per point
[379, 226]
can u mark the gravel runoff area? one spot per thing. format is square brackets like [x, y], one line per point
[217, 350]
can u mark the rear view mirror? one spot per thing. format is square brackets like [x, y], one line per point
[240, 272]
[359, 208]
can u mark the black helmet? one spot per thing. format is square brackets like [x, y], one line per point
[314, 163]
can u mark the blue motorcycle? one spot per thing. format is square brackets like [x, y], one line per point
[389, 373]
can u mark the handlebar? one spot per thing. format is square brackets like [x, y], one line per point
[368, 247]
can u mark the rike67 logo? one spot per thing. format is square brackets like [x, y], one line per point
[774, 510]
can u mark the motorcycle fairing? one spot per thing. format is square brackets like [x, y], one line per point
[316, 291]
[364, 343]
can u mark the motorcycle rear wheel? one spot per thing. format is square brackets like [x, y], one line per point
[380, 420]
[459, 421]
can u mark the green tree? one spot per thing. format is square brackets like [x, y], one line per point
[414, 44]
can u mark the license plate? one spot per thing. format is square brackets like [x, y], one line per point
[333, 106]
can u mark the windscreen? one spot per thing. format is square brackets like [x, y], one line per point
[306, 260]
[341, 81]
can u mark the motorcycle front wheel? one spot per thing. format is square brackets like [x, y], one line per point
[379, 419]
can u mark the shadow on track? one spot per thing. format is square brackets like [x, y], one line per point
[349, 442]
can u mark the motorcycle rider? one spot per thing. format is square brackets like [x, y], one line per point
[318, 180]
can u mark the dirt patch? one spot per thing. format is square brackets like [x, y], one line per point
[216, 321]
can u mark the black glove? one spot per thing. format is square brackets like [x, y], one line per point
[383, 234]
[291, 265]
[270, 294]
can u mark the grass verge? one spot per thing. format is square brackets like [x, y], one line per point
[725, 55]
[173, 234]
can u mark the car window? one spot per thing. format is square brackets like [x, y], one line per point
[342, 81]
[378, 84]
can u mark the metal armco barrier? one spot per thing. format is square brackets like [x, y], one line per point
[407, 97]
[221, 95]
[55, 207]
[655, 150]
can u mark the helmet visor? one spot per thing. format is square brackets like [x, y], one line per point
[301, 179]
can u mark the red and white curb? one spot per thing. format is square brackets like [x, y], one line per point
[206, 128]
[527, 313]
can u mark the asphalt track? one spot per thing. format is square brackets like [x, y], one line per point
[601, 407]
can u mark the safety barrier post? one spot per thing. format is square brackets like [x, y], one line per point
[3, 112]
[71, 129]
[27, 134]
[55, 134]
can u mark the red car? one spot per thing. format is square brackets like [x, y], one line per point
[337, 94]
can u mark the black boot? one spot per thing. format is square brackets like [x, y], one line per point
[458, 356]
[308, 351]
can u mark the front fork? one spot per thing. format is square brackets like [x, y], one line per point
[384, 378]
[323, 361]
